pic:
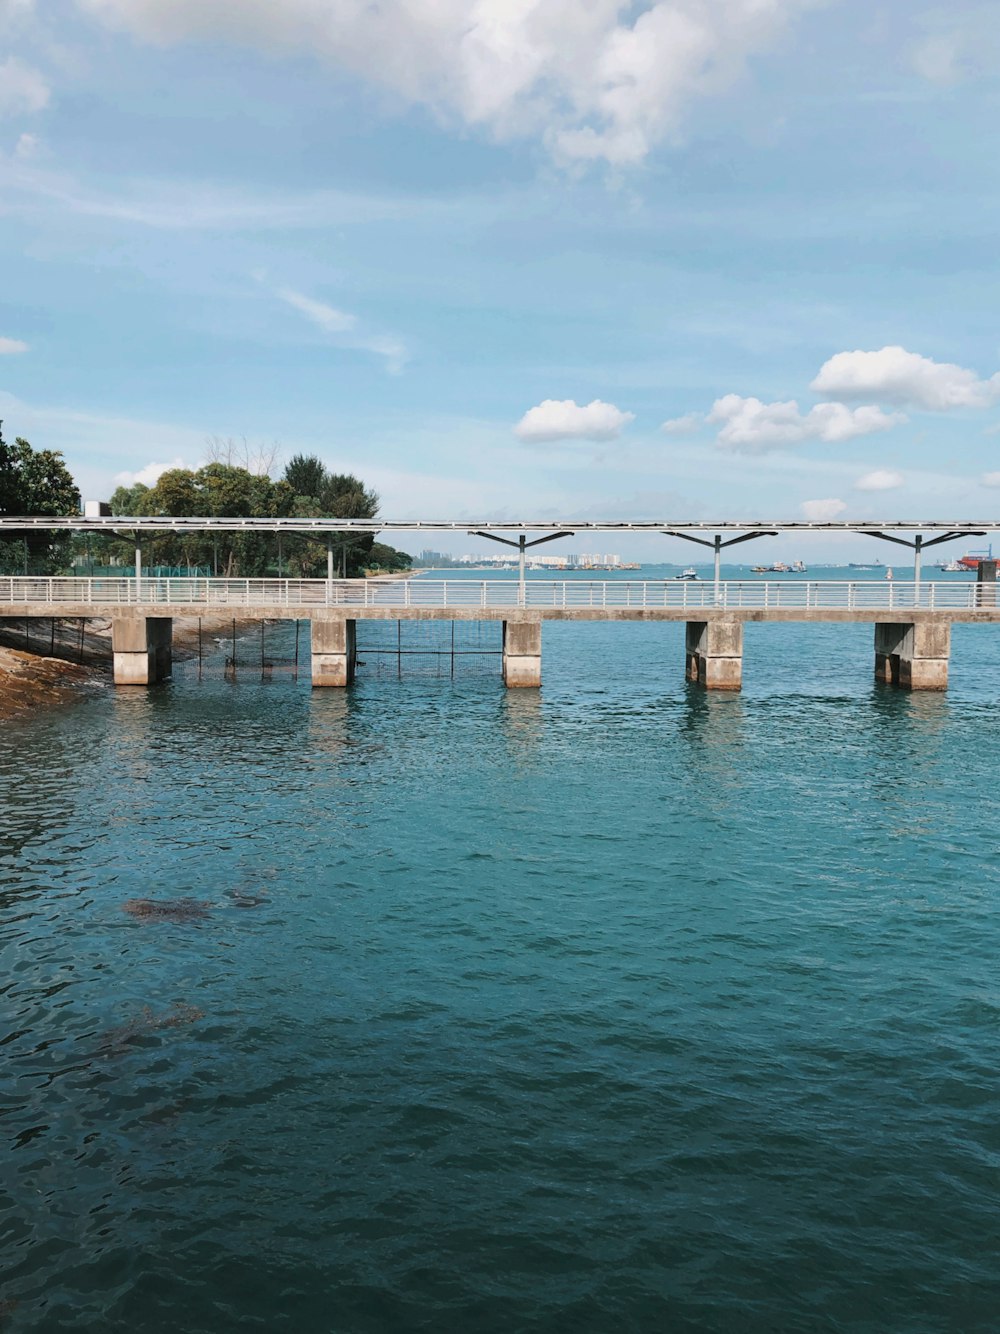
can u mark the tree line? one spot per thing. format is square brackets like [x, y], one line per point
[37, 482]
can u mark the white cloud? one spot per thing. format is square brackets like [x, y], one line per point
[327, 317]
[97, 445]
[564, 419]
[602, 80]
[13, 9]
[11, 346]
[990, 479]
[749, 425]
[822, 511]
[882, 479]
[27, 147]
[149, 475]
[344, 326]
[685, 425]
[960, 42]
[897, 376]
[22, 89]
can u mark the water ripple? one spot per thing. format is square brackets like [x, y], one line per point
[617, 1006]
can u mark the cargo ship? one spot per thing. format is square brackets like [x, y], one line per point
[971, 559]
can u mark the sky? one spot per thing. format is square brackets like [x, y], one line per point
[686, 259]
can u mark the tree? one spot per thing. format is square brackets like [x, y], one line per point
[218, 490]
[388, 559]
[325, 495]
[32, 483]
[306, 476]
[258, 459]
[130, 499]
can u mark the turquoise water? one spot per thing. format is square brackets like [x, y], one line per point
[615, 1005]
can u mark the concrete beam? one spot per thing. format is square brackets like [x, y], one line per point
[987, 614]
[334, 651]
[522, 653]
[913, 656]
[714, 654]
[142, 649]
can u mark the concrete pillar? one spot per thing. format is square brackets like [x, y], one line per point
[334, 650]
[913, 654]
[714, 653]
[522, 653]
[986, 583]
[142, 648]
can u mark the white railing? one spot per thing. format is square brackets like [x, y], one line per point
[499, 594]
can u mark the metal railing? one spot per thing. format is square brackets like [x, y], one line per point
[500, 594]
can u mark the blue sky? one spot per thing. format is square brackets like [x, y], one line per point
[481, 253]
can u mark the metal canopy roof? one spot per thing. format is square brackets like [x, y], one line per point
[157, 524]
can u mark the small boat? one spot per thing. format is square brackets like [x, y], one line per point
[689, 573]
[798, 567]
[953, 567]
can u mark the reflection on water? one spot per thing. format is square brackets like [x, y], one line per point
[522, 721]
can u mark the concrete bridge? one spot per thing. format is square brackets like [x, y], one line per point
[912, 620]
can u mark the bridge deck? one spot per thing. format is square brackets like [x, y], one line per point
[503, 599]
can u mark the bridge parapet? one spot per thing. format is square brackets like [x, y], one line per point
[492, 598]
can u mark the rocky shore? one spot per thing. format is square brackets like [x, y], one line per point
[49, 662]
[29, 682]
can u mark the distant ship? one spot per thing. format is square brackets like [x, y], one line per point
[689, 573]
[971, 559]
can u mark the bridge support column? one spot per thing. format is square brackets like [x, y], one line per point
[913, 655]
[522, 653]
[334, 651]
[142, 648]
[714, 651]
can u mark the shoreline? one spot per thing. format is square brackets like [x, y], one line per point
[55, 660]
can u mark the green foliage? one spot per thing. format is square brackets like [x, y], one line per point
[321, 494]
[130, 499]
[388, 559]
[219, 490]
[35, 482]
[305, 475]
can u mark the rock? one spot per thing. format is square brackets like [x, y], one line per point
[167, 910]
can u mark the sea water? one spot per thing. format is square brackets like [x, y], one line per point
[613, 1005]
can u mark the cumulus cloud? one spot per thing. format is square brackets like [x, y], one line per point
[149, 475]
[882, 479]
[22, 89]
[990, 479]
[897, 376]
[754, 427]
[685, 425]
[603, 80]
[822, 511]
[564, 419]
[9, 347]
[344, 326]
